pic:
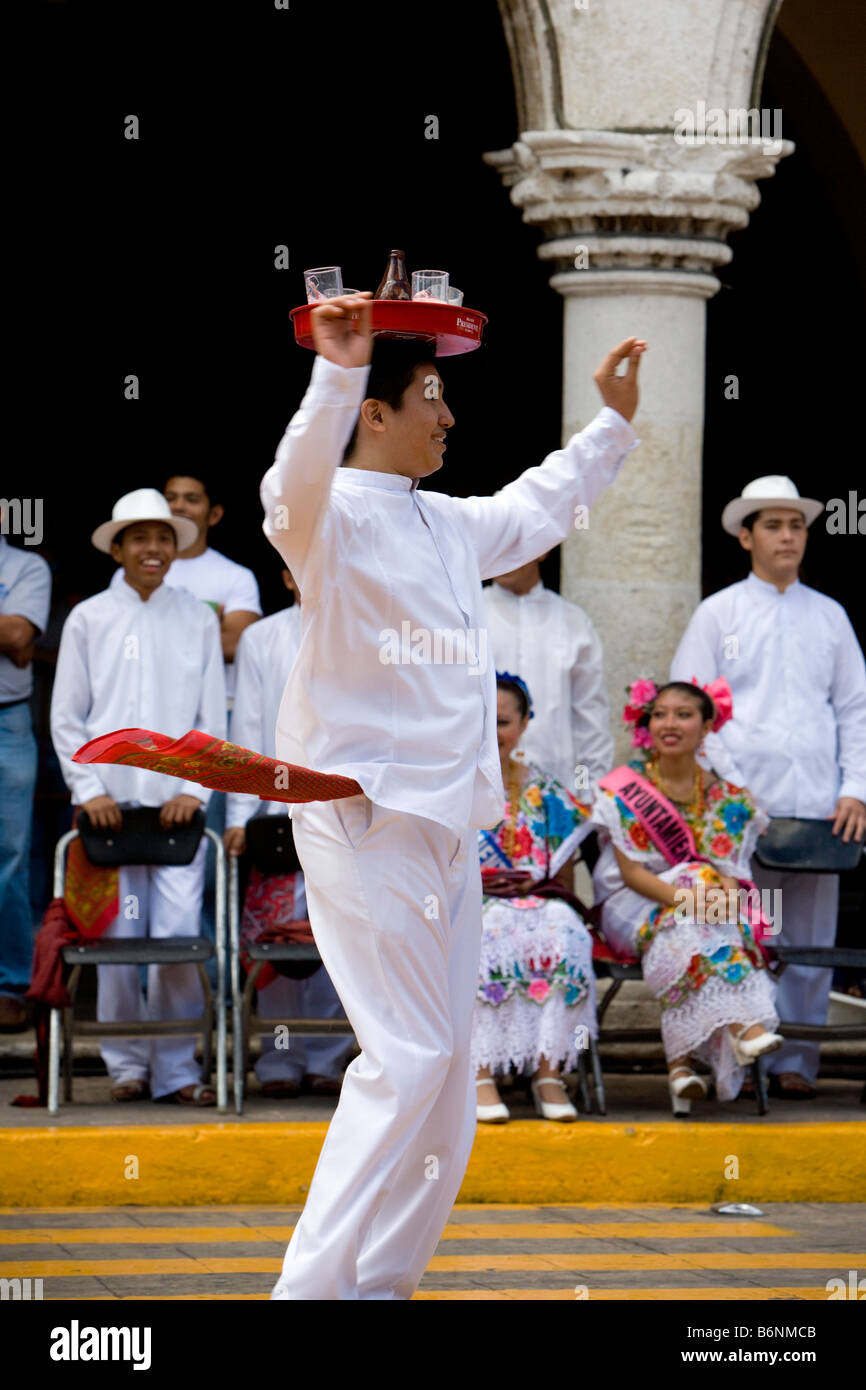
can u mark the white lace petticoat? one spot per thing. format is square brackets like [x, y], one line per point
[523, 947]
[697, 1027]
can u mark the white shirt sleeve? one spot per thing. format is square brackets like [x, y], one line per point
[697, 655]
[70, 706]
[848, 695]
[296, 488]
[244, 593]
[247, 724]
[540, 508]
[590, 710]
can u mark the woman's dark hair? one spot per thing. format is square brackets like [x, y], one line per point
[392, 368]
[708, 709]
[517, 691]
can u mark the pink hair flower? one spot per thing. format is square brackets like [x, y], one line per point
[642, 691]
[641, 738]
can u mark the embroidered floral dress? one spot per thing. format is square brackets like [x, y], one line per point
[704, 975]
[536, 988]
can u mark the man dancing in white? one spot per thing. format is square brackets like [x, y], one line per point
[392, 877]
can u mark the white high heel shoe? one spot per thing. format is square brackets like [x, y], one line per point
[491, 1114]
[564, 1113]
[746, 1051]
[684, 1089]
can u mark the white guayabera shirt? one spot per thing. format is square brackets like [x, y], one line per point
[126, 662]
[798, 736]
[554, 647]
[265, 654]
[392, 685]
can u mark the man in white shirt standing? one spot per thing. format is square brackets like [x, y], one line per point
[553, 645]
[142, 655]
[392, 687]
[232, 592]
[798, 736]
[229, 588]
[265, 654]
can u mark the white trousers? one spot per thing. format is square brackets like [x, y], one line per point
[158, 902]
[810, 908]
[395, 907]
[307, 1054]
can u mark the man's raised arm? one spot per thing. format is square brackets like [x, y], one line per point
[296, 488]
[540, 508]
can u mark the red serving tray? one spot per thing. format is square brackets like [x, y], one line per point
[453, 329]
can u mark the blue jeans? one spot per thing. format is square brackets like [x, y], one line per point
[17, 783]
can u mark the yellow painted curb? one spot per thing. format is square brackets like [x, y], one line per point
[523, 1162]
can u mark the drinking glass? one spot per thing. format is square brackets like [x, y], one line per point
[430, 284]
[323, 282]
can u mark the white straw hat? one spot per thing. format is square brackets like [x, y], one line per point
[773, 491]
[145, 504]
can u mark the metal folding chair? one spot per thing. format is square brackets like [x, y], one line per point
[794, 846]
[608, 966]
[179, 950]
[274, 852]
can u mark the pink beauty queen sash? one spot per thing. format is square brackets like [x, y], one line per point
[671, 835]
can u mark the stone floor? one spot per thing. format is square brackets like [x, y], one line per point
[681, 1253]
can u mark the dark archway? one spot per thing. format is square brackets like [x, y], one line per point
[787, 324]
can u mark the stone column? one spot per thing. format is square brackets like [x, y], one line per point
[635, 220]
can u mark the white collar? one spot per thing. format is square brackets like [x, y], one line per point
[368, 477]
[124, 591]
[770, 589]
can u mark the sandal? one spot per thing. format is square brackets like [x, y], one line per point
[200, 1095]
[322, 1085]
[130, 1090]
[280, 1090]
[779, 1091]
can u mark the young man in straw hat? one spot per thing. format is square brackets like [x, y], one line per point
[141, 654]
[798, 736]
[391, 686]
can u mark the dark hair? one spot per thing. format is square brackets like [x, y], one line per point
[749, 521]
[520, 695]
[163, 521]
[392, 369]
[708, 709]
[211, 485]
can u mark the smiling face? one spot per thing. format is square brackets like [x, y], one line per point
[676, 723]
[409, 441]
[145, 549]
[510, 722]
[186, 496]
[777, 542]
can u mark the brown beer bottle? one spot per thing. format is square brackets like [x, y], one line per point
[395, 282]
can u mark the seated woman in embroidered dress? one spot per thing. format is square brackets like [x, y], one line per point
[536, 988]
[673, 882]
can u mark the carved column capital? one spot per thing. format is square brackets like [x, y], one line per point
[635, 201]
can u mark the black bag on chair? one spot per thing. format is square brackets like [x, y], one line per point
[806, 847]
[271, 845]
[141, 839]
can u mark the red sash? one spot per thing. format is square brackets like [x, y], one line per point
[670, 834]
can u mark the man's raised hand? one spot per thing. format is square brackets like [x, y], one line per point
[620, 392]
[342, 329]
